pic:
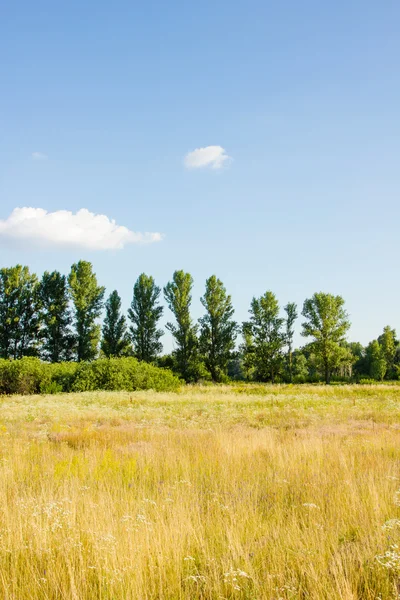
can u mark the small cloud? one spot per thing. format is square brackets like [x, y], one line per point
[39, 156]
[63, 228]
[210, 156]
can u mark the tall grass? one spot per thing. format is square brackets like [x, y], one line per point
[289, 492]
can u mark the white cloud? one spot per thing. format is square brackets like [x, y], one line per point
[210, 156]
[83, 229]
[39, 156]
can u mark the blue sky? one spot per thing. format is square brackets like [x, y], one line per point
[303, 96]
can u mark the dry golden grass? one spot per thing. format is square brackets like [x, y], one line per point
[263, 492]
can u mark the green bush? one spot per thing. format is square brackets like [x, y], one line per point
[123, 374]
[63, 375]
[300, 378]
[23, 376]
[31, 376]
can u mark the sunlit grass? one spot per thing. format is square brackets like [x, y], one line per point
[257, 493]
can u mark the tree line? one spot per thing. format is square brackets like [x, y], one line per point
[56, 318]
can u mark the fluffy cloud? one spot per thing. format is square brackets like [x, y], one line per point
[64, 228]
[39, 156]
[210, 156]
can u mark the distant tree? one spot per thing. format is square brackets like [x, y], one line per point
[218, 331]
[346, 360]
[265, 337]
[235, 367]
[144, 315]
[19, 313]
[291, 312]
[388, 342]
[115, 341]
[300, 367]
[167, 361]
[360, 367]
[247, 352]
[377, 362]
[178, 296]
[87, 297]
[57, 338]
[397, 363]
[327, 323]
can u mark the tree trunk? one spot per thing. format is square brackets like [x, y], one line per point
[327, 374]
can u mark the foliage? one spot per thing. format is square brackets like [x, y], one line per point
[32, 376]
[123, 374]
[291, 316]
[217, 329]
[145, 314]
[327, 323]
[167, 361]
[115, 341]
[60, 377]
[19, 312]
[264, 338]
[178, 295]
[22, 376]
[246, 352]
[377, 361]
[87, 298]
[300, 368]
[56, 335]
[389, 344]
[57, 319]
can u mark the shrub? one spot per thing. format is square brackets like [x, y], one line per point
[23, 376]
[63, 375]
[123, 374]
[31, 376]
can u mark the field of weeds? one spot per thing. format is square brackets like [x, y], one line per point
[245, 492]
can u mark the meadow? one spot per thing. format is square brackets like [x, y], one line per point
[214, 492]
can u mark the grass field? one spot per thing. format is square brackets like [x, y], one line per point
[254, 492]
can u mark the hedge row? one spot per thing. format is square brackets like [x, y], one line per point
[32, 376]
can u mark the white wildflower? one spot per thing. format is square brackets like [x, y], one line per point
[391, 524]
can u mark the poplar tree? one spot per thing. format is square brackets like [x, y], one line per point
[217, 329]
[144, 315]
[19, 313]
[87, 297]
[178, 295]
[291, 316]
[377, 362]
[57, 338]
[115, 341]
[388, 342]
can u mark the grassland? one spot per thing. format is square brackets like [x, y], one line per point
[254, 492]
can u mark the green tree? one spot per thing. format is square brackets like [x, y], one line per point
[178, 296]
[300, 367]
[145, 314]
[57, 338]
[388, 342]
[87, 297]
[327, 323]
[19, 313]
[264, 336]
[217, 329]
[360, 368]
[291, 316]
[247, 352]
[377, 361]
[115, 341]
